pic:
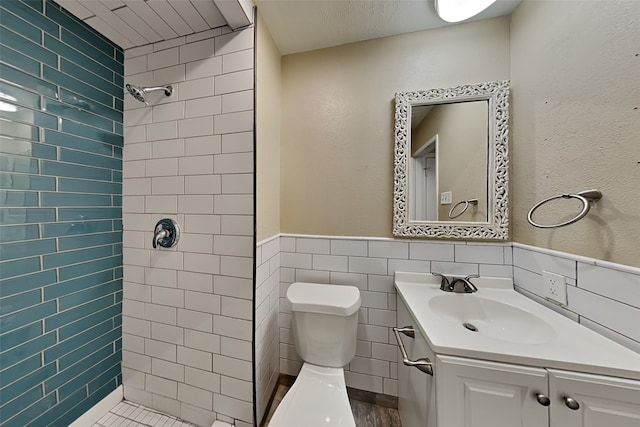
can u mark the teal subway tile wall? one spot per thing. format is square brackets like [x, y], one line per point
[61, 100]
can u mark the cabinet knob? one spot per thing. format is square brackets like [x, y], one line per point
[542, 399]
[571, 403]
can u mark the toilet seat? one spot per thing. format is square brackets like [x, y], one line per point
[317, 398]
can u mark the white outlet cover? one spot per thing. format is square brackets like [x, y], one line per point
[554, 287]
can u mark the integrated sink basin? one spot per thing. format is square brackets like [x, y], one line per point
[491, 318]
[499, 324]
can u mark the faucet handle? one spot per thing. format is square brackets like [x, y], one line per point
[444, 282]
[471, 276]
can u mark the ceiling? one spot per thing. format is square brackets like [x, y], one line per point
[296, 25]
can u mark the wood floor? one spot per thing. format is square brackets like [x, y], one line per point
[365, 413]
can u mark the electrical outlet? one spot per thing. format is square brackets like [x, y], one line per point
[445, 198]
[554, 287]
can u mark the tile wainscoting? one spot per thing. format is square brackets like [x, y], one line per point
[602, 296]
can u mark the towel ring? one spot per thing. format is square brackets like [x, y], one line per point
[466, 206]
[586, 197]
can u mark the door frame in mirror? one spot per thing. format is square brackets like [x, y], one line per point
[497, 225]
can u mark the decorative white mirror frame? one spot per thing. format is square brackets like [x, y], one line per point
[497, 225]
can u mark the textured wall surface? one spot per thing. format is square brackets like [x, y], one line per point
[60, 215]
[187, 313]
[337, 119]
[576, 121]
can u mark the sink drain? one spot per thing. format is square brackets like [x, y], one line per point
[470, 327]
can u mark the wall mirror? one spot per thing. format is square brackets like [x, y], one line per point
[451, 162]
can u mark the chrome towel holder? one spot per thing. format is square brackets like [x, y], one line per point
[586, 197]
[464, 209]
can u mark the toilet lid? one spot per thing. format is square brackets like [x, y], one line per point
[326, 299]
[318, 398]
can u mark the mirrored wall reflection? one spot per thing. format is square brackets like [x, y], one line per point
[449, 162]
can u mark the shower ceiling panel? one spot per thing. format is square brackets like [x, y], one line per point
[131, 23]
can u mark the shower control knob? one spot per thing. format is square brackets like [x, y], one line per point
[166, 233]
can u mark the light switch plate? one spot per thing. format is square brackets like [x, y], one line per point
[554, 287]
[445, 198]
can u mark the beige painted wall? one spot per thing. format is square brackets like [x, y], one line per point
[462, 153]
[337, 114]
[268, 117]
[576, 122]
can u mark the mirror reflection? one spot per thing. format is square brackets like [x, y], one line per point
[448, 163]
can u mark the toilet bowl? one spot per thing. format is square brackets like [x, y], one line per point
[324, 321]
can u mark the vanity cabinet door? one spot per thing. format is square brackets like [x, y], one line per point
[477, 393]
[598, 401]
[416, 389]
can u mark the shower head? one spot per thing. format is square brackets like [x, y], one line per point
[140, 93]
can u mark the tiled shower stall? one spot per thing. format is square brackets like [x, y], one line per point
[187, 311]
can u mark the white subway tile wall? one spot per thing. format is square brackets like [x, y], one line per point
[187, 321]
[602, 296]
[267, 337]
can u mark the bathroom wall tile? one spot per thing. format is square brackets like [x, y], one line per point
[163, 58]
[233, 163]
[237, 101]
[160, 350]
[167, 185]
[196, 204]
[241, 142]
[236, 61]
[206, 106]
[202, 341]
[537, 262]
[161, 386]
[167, 148]
[202, 379]
[163, 130]
[167, 112]
[615, 284]
[236, 408]
[482, 254]
[234, 42]
[194, 358]
[385, 249]
[196, 126]
[496, 270]
[194, 89]
[231, 367]
[454, 268]
[607, 312]
[431, 251]
[202, 145]
[367, 265]
[203, 68]
[349, 247]
[330, 262]
[611, 334]
[231, 204]
[195, 165]
[135, 65]
[238, 184]
[233, 122]
[167, 333]
[197, 50]
[233, 82]
[408, 265]
[169, 76]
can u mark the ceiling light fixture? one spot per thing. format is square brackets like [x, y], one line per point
[459, 10]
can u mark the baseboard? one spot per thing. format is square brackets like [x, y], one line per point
[99, 410]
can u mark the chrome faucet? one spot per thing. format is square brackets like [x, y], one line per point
[158, 236]
[457, 285]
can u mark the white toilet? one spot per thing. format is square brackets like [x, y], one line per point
[325, 320]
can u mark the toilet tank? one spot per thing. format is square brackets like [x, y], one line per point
[325, 322]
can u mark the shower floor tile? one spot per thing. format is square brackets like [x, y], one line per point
[128, 414]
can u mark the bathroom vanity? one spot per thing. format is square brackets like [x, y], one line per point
[502, 360]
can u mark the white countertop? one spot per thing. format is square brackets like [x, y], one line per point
[569, 346]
